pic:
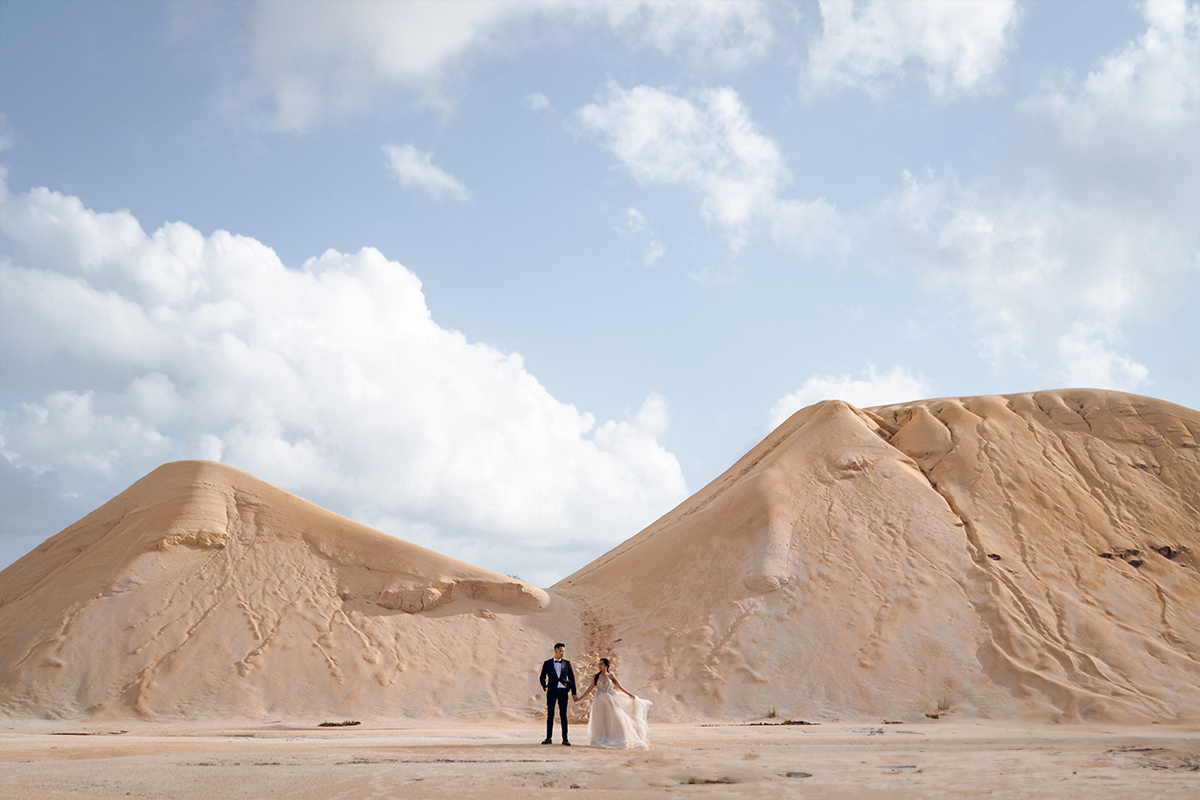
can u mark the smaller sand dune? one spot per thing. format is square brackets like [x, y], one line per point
[202, 590]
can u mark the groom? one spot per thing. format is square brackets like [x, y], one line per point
[558, 680]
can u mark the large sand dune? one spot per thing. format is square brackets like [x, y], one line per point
[1033, 555]
[1006, 556]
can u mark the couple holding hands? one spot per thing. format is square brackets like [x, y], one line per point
[618, 719]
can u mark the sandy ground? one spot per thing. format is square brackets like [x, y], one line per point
[944, 758]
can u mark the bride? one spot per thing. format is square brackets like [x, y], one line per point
[617, 722]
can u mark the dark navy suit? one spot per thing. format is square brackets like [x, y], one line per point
[557, 694]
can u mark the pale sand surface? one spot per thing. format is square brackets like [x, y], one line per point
[946, 758]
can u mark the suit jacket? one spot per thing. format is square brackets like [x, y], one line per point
[549, 679]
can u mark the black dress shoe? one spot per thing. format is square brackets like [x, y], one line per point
[547, 742]
[566, 744]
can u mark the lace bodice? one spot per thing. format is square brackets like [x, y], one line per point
[604, 685]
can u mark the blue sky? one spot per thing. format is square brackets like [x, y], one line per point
[511, 280]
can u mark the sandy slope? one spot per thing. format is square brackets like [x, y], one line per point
[947, 552]
[204, 591]
[884, 561]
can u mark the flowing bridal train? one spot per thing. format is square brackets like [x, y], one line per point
[618, 719]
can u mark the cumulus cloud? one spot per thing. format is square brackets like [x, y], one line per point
[870, 388]
[416, 170]
[1128, 134]
[958, 43]
[712, 147]
[1150, 82]
[1031, 263]
[125, 349]
[1101, 232]
[301, 62]
[1088, 360]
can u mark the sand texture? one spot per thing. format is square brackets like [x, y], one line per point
[1032, 556]
[847, 761]
[202, 591]
[942, 553]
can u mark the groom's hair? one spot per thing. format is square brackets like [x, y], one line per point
[560, 644]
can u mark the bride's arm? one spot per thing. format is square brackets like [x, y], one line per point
[617, 684]
[585, 694]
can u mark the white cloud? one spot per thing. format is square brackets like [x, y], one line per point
[537, 101]
[713, 148]
[1101, 232]
[1151, 83]
[1128, 134]
[959, 43]
[869, 389]
[728, 33]
[129, 349]
[1084, 352]
[416, 169]
[301, 62]
[638, 226]
[1034, 266]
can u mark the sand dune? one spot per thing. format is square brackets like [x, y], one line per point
[943, 553]
[1027, 556]
[204, 591]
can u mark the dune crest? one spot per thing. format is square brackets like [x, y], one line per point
[1022, 556]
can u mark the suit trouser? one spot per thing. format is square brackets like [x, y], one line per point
[556, 695]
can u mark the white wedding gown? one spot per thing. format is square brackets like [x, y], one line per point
[618, 722]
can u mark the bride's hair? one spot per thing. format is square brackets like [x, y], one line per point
[606, 663]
